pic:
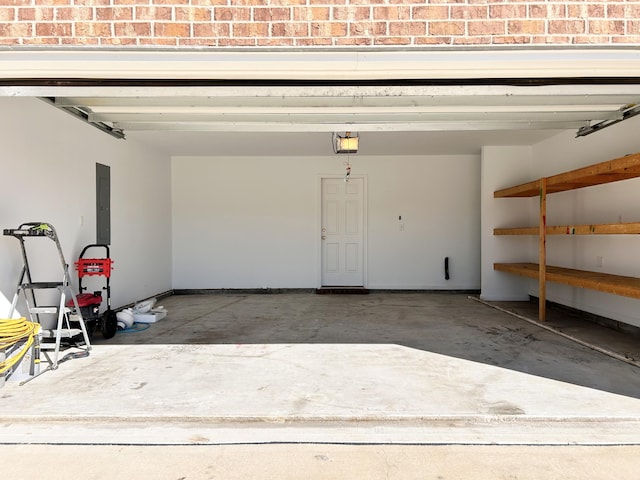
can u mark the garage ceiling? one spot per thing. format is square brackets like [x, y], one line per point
[290, 103]
[239, 118]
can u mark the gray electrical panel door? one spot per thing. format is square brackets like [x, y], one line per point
[103, 204]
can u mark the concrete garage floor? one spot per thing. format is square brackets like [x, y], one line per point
[329, 386]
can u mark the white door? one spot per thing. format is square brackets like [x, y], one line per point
[342, 232]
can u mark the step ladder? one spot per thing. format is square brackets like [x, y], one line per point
[63, 336]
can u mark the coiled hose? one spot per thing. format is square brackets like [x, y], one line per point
[12, 332]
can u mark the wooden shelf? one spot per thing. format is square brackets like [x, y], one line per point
[622, 168]
[602, 282]
[629, 228]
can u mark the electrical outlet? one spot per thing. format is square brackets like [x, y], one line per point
[599, 261]
[402, 227]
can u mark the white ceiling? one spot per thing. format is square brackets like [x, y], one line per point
[390, 120]
[291, 102]
[177, 143]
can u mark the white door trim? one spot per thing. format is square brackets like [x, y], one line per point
[365, 229]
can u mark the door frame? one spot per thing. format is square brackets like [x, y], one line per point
[365, 228]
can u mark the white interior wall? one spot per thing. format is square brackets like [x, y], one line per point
[619, 254]
[253, 222]
[503, 167]
[48, 174]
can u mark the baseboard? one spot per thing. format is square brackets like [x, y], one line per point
[591, 317]
[342, 291]
[239, 291]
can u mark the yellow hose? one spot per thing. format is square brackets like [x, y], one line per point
[13, 331]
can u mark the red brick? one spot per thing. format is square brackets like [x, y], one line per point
[171, 29]
[114, 13]
[82, 41]
[254, 3]
[133, 29]
[633, 27]
[312, 14]
[557, 11]
[117, 41]
[153, 13]
[492, 27]
[414, 29]
[354, 41]
[433, 40]
[352, 13]
[392, 41]
[40, 41]
[249, 30]
[476, 12]
[130, 2]
[36, 14]
[571, 27]
[472, 40]
[632, 11]
[211, 29]
[552, 39]
[208, 3]
[7, 14]
[274, 42]
[328, 29]
[604, 27]
[197, 42]
[232, 14]
[313, 42]
[592, 39]
[288, 29]
[93, 29]
[510, 40]
[508, 11]
[236, 42]
[531, 27]
[447, 28]
[170, 2]
[615, 11]
[628, 39]
[596, 10]
[287, 3]
[271, 14]
[154, 41]
[392, 13]
[327, 2]
[368, 29]
[73, 14]
[15, 30]
[57, 29]
[430, 12]
[39, 3]
[537, 11]
[193, 14]
[577, 11]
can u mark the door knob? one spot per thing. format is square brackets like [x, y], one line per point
[323, 237]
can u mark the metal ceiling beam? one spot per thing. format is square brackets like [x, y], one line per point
[445, 93]
[356, 127]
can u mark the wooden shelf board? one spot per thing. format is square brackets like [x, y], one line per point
[529, 189]
[622, 168]
[603, 282]
[628, 228]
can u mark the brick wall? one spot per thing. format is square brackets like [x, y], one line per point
[297, 23]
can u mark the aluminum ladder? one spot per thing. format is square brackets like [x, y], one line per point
[51, 339]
